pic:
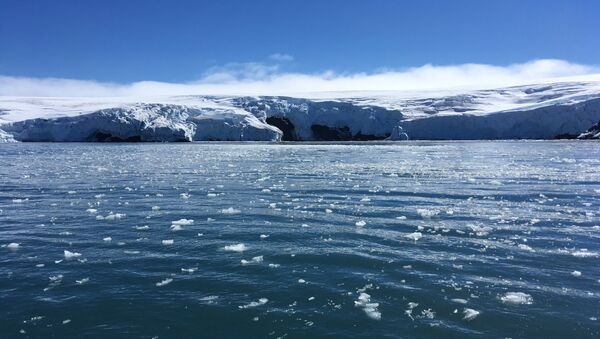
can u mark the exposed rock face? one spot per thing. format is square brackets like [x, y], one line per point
[592, 133]
[285, 126]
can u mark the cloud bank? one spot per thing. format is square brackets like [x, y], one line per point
[269, 79]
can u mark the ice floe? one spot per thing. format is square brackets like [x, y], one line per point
[252, 304]
[230, 210]
[470, 314]
[516, 298]
[71, 255]
[254, 260]
[235, 248]
[164, 282]
[370, 308]
[13, 246]
[182, 222]
[414, 236]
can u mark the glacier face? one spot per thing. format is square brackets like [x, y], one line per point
[541, 111]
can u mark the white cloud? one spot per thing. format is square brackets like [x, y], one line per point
[268, 79]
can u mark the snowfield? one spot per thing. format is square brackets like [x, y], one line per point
[565, 109]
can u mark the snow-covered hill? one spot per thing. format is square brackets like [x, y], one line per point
[541, 111]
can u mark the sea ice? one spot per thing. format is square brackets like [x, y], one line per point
[414, 236]
[182, 222]
[255, 260]
[235, 248]
[82, 281]
[13, 246]
[517, 298]
[175, 228]
[370, 309]
[260, 302]
[70, 255]
[470, 314]
[230, 210]
[164, 282]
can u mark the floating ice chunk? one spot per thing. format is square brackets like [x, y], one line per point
[72, 192]
[155, 208]
[255, 260]
[182, 222]
[301, 281]
[66, 321]
[517, 298]
[19, 201]
[54, 281]
[107, 239]
[175, 228]
[370, 309]
[164, 282]
[427, 213]
[526, 248]
[13, 246]
[576, 274]
[211, 195]
[71, 255]
[584, 253]
[168, 242]
[360, 223]
[189, 270]
[184, 195]
[428, 313]
[311, 298]
[402, 217]
[459, 301]
[274, 265]
[235, 248]
[260, 302]
[327, 210]
[470, 314]
[82, 281]
[111, 216]
[414, 236]
[142, 228]
[264, 236]
[209, 298]
[92, 210]
[230, 210]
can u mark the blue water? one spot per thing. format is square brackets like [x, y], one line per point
[432, 239]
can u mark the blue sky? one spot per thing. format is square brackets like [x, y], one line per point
[181, 41]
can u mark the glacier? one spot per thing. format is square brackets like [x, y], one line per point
[562, 109]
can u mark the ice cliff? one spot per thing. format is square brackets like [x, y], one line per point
[540, 111]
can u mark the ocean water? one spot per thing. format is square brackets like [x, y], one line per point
[229, 240]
